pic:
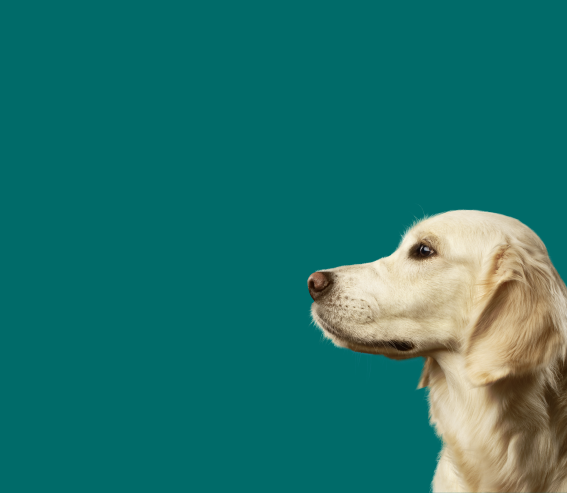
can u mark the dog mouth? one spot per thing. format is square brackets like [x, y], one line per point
[398, 345]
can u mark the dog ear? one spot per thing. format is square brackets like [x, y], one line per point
[518, 324]
[424, 380]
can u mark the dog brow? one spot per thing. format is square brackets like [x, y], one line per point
[431, 240]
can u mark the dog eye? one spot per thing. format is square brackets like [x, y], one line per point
[424, 251]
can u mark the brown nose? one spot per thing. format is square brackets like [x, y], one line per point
[318, 283]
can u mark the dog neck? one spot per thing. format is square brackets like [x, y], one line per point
[518, 423]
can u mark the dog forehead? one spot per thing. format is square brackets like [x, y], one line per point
[461, 230]
[472, 231]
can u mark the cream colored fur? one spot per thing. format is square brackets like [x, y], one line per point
[488, 311]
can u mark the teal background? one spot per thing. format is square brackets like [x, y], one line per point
[171, 175]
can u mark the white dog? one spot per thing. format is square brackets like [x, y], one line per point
[474, 293]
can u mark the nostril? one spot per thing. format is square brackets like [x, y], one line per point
[317, 283]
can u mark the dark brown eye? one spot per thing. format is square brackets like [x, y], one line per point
[424, 251]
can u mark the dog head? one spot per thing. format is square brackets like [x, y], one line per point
[473, 282]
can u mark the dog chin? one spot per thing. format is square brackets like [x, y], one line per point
[391, 349]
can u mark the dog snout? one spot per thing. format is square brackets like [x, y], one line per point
[319, 283]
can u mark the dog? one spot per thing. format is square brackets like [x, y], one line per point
[475, 294]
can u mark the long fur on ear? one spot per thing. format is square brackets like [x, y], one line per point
[424, 379]
[519, 323]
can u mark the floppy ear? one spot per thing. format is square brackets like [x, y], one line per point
[424, 380]
[519, 323]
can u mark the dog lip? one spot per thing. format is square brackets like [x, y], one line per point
[391, 344]
[329, 328]
[402, 345]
